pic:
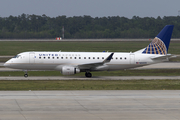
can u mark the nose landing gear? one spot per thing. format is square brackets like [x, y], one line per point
[25, 73]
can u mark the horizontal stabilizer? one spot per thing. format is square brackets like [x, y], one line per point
[162, 57]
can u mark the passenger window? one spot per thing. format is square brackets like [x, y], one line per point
[102, 57]
[44, 57]
[89, 57]
[97, 57]
[39, 57]
[125, 58]
[57, 57]
[61, 57]
[84, 57]
[93, 57]
[48, 57]
[121, 58]
[79, 57]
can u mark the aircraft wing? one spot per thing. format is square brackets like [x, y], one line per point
[94, 65]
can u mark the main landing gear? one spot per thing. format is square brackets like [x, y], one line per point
[25, 73]
[88, 74]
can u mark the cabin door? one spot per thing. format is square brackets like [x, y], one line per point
[132, 58]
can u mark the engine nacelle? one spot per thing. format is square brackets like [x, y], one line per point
[66, 70]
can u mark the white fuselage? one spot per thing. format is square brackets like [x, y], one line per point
[56, 60]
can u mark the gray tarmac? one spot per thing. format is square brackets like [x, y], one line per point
[90, 105]
[93, 78]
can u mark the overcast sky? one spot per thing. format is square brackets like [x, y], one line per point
[94, 8]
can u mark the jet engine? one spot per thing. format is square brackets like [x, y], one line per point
[66, 70]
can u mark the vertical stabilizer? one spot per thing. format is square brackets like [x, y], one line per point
[160, 44]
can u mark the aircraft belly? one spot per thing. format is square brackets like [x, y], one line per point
[34, 66]
[42, 67]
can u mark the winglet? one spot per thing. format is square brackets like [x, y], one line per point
[108, 59]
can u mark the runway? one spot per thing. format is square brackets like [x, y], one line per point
[93, 78]
[90, 105]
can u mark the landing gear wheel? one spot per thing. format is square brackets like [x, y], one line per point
[25, 75]
[88, 74]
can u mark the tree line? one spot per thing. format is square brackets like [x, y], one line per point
[35, 26]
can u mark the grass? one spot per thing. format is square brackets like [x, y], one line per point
[89, 85]
[14, 47]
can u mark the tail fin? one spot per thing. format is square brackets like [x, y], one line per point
[160, 44]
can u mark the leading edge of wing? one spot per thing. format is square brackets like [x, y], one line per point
[93, 65]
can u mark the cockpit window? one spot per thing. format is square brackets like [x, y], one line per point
[17, 56]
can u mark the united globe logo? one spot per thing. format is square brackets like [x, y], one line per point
[157, 46]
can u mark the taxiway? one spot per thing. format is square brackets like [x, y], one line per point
[93, 78]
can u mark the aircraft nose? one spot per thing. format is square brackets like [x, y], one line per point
[7, 64]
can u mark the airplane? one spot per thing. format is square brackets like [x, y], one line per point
[69, 63]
